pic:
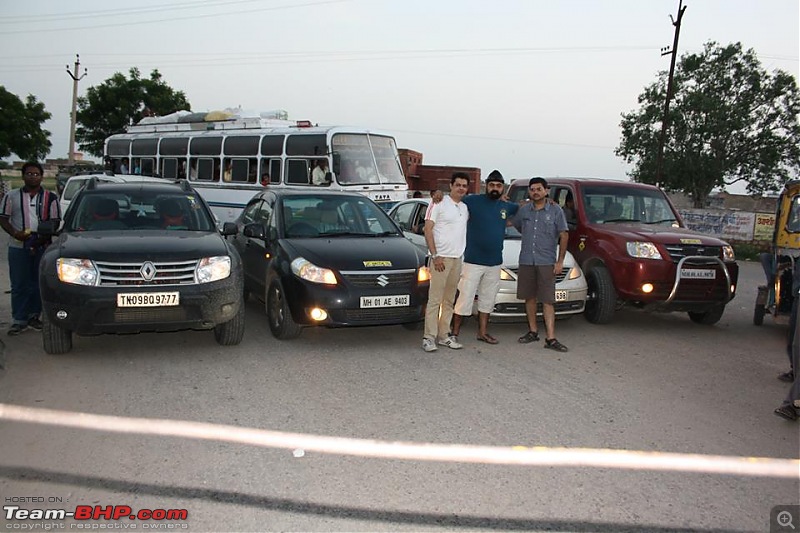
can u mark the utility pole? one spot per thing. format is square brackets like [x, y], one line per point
[75, 80]
[665, 120]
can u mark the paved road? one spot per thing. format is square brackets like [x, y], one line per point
[645, 382]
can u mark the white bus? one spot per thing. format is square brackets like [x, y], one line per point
[228, 161]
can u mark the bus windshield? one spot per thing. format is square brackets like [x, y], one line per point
[366, 159]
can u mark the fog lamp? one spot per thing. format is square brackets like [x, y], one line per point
[647, 288]
[318, 314]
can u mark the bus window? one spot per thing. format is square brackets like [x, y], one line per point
[306, 145]
[169, 168]
[271, 145]
[118, 147]
[241, 145]
[148, 166]
[240, 170]
[274, 170]
[298, 172]
[202, 169]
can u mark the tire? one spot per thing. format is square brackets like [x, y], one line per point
[710, 317]
[279, 316]
[55, 340]
[758, 314]
[602, 297]
[231, 332]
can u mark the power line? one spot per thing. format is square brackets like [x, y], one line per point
[181, 18]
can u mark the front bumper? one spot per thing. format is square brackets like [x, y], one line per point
[508, 307]
[342, 303]
[93, 310]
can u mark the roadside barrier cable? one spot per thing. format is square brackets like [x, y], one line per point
[300, 443]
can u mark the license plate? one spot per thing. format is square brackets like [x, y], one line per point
[369, 302]
[698, 273]
[148, 299]
[561, 296]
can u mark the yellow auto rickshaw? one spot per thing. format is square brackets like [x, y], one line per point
[780, 265]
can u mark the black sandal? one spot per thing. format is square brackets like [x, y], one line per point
[553, 344]
[531, 336]
[787, 411]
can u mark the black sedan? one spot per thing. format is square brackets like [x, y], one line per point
[326, 258]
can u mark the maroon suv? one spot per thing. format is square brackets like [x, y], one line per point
[634, 249]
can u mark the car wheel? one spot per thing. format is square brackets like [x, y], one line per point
[56, 340]
[710, 317]
[231, 332]
[758, 314]
[602, 297]
[279, 316]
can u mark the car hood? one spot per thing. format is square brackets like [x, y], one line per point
[659, 234]
[140, 245]
[357, 253]
[511, 249]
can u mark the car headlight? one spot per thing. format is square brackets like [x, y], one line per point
[77, 271]
[423, 274]
[506, 275]
[213, 269]
[727, 253]
[643, 250]
[574, 273]
[305, 269]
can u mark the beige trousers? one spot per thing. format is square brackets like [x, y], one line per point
[441, 295]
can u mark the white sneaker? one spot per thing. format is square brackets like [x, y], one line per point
[428, 345]
[451, 341]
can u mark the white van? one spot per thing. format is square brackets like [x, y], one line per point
[76, 183]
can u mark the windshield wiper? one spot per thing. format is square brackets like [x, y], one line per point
[355, 234]
[621, 220]
[661, 221]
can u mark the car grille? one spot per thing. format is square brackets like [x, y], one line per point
[354, 316]
[679, 251]
[385, 279]
[559, 278]
[131, 274]
[150, 315]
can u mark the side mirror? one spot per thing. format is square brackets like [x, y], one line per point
[229, 228]
[337, 163]
[254, 231]
[49, 227]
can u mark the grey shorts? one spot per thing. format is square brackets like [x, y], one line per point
[536, 281]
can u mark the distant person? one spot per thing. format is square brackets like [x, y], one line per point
[569, 208]
[21, 211]
[227, 175]
[541, 258]
[193, 169]
[265, 179]
[446, 237]
[318, 175]
[417, 194]
[790, 408]
[123, 166]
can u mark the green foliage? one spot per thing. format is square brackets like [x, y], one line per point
[730, 121]
[118, 102]
[749, 250]
[21, 130]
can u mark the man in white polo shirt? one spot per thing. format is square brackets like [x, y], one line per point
[446, 237]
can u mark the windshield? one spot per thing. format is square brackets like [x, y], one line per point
[114, 210]
[72, 188]
[317, 216]
[367, 159]
[607, 204]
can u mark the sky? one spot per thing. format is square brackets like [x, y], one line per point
[528, 87]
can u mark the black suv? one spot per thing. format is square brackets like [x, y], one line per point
[134, 257]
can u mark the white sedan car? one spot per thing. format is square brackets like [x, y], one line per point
[570, 284]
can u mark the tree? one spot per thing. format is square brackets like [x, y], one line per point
[730, 121]
[21, 130]
[118, 102]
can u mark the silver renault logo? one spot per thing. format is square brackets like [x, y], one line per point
[383, 280]
[148, 271]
